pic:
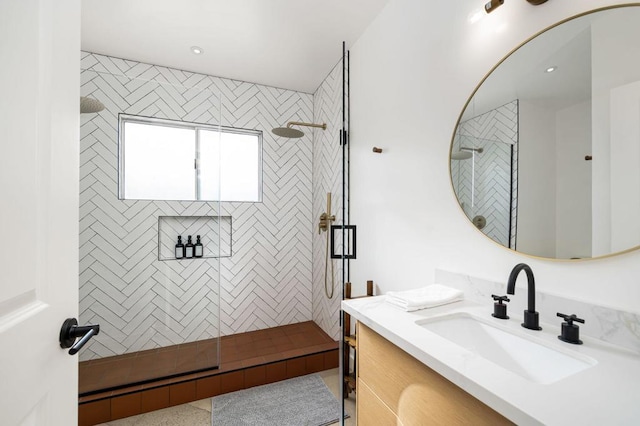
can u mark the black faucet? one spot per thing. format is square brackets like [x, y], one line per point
[530, 314]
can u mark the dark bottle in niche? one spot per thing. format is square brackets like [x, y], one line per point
[179, 248]
[197, 248]
[188, 248]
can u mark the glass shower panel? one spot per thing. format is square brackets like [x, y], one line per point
[158, 307]
[347, 366]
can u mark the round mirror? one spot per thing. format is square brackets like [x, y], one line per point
[545, 158]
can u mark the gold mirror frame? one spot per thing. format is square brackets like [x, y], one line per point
[508, 55]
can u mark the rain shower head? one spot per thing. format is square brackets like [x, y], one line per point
[288, 132]
[465, 153]
[461, 155]
[88, 105]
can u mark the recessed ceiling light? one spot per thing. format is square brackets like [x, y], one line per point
[197, 50]
[551, 69]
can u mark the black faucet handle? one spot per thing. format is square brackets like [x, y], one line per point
[570, 318]
[570, 332]
[499, 309]
[500, 299]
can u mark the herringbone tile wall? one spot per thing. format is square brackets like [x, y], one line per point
[143, 303]
[495, 196]
[327, 177]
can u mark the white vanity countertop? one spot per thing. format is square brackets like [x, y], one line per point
[607, 393]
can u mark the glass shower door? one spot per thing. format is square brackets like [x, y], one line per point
[347, 365]
[156, 298]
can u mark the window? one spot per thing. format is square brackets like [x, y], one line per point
[174, 160]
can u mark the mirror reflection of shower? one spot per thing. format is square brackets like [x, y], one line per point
[484, 171]
[465, 153]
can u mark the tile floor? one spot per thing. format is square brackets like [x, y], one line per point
[198, 413]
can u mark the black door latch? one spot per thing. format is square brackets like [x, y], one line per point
[70, 331]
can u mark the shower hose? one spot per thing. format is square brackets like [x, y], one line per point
[326, 267]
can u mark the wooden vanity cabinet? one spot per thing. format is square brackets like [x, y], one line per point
[396, 389]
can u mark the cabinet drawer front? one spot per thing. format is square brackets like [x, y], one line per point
[371, 410]
[416, 394]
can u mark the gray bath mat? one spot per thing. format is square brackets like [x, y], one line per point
[302, 401]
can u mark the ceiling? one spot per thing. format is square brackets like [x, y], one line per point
[522, 75]
[290, 44]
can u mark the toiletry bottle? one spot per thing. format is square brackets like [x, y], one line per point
[179, 248]
[188, 248]
[197, 248]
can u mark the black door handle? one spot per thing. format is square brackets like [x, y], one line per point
[70, 331]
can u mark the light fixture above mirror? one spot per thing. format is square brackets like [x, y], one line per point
[492, 5]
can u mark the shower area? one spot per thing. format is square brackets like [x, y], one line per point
[250, 305]
[484, 170]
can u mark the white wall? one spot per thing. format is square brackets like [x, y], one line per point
[608, 40]
[411, 74]
[573, 185]
[537, 181]
[554, 208]
[615, 62]
[625, 176]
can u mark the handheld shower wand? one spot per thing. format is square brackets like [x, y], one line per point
[324, 225]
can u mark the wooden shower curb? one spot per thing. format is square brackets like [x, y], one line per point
[113, 405]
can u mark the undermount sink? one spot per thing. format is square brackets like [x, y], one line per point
[529, 359]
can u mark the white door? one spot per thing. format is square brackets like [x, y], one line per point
[39, 134]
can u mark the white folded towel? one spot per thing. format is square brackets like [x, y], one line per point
[425, 297]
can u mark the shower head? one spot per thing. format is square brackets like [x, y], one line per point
[88, 105]
[461, 155]
[288, 132]
[478, 150]
[465, 153]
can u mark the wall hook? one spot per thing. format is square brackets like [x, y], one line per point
[377, 150]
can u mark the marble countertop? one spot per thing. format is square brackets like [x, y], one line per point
[605, 393]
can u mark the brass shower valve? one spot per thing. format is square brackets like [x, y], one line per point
[325, 220]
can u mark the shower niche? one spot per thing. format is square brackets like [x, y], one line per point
[214, 232]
